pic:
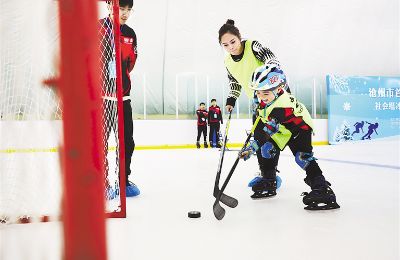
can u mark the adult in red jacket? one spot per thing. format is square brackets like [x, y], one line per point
[129, 55]
[201, 125]
[214, 117]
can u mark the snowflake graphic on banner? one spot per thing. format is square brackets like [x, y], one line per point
[346, 106]
[339, 83]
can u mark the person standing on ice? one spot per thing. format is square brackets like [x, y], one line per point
[244, 57]
[214, 117]
[129, 56]
[201, 125]
[284, 122]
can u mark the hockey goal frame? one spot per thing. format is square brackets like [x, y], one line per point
[121, 134]
[81, 156]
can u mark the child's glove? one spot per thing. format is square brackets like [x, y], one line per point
[250, 149]
[271, 127]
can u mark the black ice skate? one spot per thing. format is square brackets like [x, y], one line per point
[265, 188]
[198, 145]
[205, 145]
[321, 197]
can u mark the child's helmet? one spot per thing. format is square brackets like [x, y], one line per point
[267, 77]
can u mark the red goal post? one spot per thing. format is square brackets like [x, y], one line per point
[53, 150]
[82, 156]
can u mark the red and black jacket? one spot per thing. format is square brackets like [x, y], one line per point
[201, 117]
[128, 53]
[214, 114]
[285, 117]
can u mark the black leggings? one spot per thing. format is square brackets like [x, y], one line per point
[110, 122]
[202, 129]
[299, 142]
[215, 126]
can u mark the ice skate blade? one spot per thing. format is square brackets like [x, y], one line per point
[263, 198]
[322, 208]
[321, 211]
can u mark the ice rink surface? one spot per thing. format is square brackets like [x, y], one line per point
[364, 176]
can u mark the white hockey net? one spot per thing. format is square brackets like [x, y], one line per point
[110, 114]
[30, 126]
[31, 115]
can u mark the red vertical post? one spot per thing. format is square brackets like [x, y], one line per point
[81, 154]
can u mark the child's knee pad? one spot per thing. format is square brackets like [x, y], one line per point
[304, 159]
[268, 150]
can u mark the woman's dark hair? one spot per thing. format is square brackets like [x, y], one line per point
[230, 27]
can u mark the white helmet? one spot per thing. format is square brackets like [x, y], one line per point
[267, 77]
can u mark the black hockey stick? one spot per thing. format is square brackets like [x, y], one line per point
[219, 212]
[227, 200]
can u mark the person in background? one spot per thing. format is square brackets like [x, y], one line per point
[128, 56]
[214, 117]
[201, 125]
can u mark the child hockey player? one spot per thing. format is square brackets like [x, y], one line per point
[284, 122]
[201, 125]
[214, 117]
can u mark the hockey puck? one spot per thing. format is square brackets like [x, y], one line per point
[194, 214]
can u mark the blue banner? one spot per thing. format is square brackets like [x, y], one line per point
[362, 108]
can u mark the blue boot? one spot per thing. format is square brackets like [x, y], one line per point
[131, 189]
[110, 193]
[266, 186]
[258, 178]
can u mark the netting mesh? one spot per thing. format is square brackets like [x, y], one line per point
[31, 113]
[110, 114]
[30, 126]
